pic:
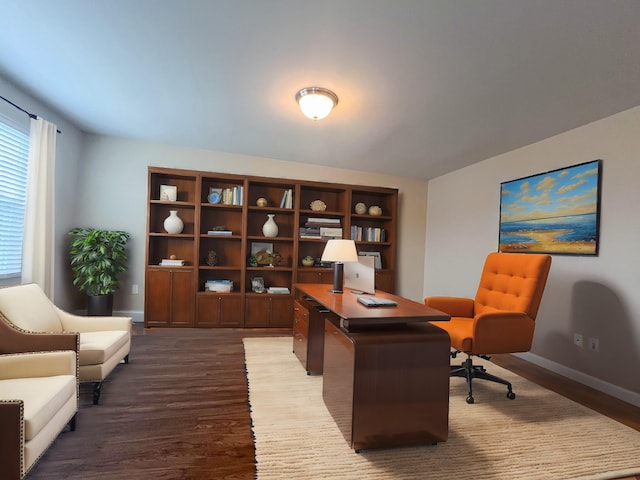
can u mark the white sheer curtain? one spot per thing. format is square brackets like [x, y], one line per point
[38, 252]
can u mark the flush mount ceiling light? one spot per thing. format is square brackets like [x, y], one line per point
[316, 102]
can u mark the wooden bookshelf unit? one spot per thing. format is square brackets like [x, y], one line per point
[222, 230]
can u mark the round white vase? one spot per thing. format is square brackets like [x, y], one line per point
[270, 227]
[173, 223]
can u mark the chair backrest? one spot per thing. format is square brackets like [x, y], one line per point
[27, 307]
[512, 281]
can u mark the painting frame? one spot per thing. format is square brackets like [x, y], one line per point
[555, 212]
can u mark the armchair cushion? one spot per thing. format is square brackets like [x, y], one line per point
[98, 347]
[28, 308]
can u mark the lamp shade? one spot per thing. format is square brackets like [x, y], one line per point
[316, 102]
[340, 251]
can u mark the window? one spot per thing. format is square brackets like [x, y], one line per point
[14, 158]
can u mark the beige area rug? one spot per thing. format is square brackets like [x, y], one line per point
[539, 435]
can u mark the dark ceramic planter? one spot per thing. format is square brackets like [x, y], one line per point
[100, 305]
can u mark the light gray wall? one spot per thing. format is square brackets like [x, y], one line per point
[68, 148]
[595, 296]
[113, 192]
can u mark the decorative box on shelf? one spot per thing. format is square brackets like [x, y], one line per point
[219, 286]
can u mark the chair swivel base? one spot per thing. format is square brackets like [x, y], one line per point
[470, 371]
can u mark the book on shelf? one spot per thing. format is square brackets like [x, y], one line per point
[278, 290]
[310, 232]
[287, 199]
[170, 262]
[330, 232]
[219, 232]
[316, 220]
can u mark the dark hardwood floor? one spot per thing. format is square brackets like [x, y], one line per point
[147, 428]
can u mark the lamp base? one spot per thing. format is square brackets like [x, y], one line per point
[338, 271]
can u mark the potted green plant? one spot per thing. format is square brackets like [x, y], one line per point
[97, 257]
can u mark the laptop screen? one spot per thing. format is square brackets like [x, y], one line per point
[360, 276]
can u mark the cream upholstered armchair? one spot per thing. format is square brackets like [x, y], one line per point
[501, 317]
[104, 341]
[38, 395]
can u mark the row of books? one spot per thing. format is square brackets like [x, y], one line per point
[220, 232]
[287, 199]
[232, 195]
[367, 234]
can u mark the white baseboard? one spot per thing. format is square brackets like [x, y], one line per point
[620, 393]
[137, 316]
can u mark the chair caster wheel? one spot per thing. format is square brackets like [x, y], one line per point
[511, 395]
[470, 400]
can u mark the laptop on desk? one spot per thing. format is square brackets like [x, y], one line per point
[360, 276]
[377, 302]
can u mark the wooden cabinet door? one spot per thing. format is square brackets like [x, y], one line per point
[219, 311]
[182, 301]
[157, 309]
[281, 311]
[169, 297]
[269, 311]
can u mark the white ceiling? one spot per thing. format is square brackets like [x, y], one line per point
[425, 86]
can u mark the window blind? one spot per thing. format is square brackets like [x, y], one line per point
[14, 158]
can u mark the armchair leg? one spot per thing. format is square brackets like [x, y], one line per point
[72, 423]
[126, 359]
[470, 371]
[97, 389]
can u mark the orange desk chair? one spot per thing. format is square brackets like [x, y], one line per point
[501, 318]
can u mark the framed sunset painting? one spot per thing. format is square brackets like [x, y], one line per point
[554, 212]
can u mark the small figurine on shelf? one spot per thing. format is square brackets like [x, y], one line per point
[212, 258]
[253, 261]
[267, 258]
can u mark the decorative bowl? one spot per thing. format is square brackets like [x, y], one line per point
[375, 210]
[318, 206]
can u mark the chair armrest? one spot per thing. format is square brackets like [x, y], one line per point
[454, 306]
[502, 332]
[79, 323]
[16, 340]
[37, 364]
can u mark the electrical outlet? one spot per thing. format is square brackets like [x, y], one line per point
[134, 289]
[577, 340]
[594, 344]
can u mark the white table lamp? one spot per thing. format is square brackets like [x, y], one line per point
[339, 251]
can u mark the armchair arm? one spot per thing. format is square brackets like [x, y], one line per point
[454, 306]
[37, 364]
[502, 332]
[12, 438]
[79, 323]
[16, 340]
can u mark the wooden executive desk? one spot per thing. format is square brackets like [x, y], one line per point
[386, 370]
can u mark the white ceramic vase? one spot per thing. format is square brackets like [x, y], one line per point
[270, 227]
[173, 223]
